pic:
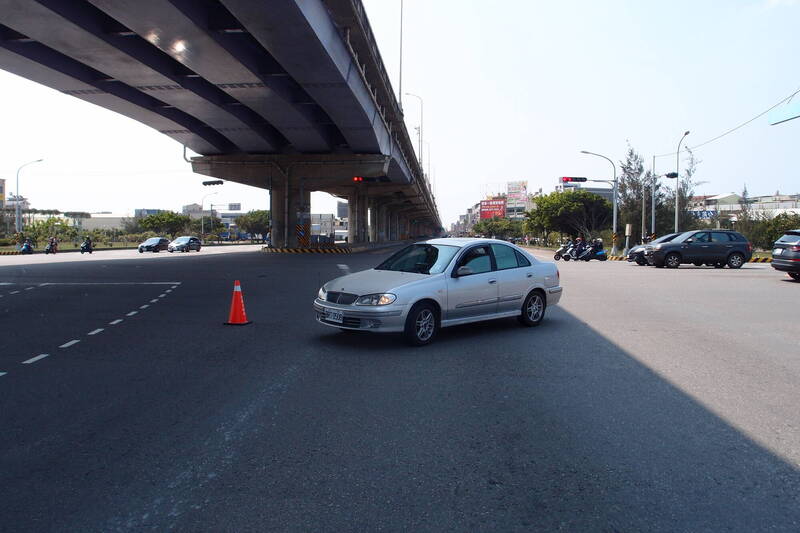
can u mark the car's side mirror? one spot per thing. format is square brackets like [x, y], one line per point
[464, 271]
[689, 240]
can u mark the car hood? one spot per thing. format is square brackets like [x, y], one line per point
[373, 281]
[636, 249]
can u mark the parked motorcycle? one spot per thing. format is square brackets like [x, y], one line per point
[594, 251]
[50, 248]
[86, 246]
[570, 253]
[26, 248]
[561, 251]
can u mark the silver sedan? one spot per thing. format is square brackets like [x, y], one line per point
[438, 283]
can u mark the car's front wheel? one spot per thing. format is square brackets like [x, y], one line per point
[794, 275]
[421, 324]
[672, 260]
[533, 309]
[735, 260]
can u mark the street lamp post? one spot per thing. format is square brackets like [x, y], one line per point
[678, 179]
[202, 203]
[614, 203]
[18, 211]
[421, 118]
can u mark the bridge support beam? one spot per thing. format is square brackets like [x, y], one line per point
[357, 217]
[289, 205]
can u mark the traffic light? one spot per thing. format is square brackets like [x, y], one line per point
[570, 179]
[213, 182]
[358, 179]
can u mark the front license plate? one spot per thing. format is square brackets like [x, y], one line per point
[334, 316]
[777, 251]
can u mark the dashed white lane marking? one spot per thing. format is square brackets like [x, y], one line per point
[343, 268]
[14, 292]
[132, 313]
[174, 287]
[37, 358]
[145, 306]
[29, 288]
[162, 295]
[70, 343]
[115, 322]
[3, 374]
[154, 300]
[95, 332]
[114, 283]
[168, 290]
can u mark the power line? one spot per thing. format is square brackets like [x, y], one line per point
[743, 124]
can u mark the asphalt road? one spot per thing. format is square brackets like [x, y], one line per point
[650, 400]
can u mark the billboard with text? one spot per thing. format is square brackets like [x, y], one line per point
[493, 208]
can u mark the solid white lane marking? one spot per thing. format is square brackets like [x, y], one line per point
[145, 306]
[115, 322]
[162, 295]
[132, 313]
[154, 300]
[95, 332]
[14, 292]
[29, 288]
[70, 343]
[34, 359]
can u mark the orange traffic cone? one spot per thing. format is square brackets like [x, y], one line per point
[237, 316]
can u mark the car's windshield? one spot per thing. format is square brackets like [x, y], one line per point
[182, 239]
[665, 238]
[153, 240]
[420, 258]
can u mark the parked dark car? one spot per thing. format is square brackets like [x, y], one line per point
[786, 254]
[636, 254]
[715, 248]
[154, 244]
[184, 244]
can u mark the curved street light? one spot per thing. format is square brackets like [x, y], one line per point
[678, 179]
[18, 217]
[421, 117]
[614, 202]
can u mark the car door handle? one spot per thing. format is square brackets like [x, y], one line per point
[529, 275]
[492, 281]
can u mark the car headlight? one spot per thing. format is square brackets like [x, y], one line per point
[657, 247]
[376, 299]
[322, 293]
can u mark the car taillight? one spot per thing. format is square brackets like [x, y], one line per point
[749, 247]
[795, 248]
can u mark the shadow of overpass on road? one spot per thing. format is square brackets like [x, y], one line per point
[582, 435]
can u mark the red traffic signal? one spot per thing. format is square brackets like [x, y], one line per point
[358, 178]
[569, 179]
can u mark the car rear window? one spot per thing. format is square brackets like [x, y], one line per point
[522, 260]
[790, 238]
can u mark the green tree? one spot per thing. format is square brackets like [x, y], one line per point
[255, 222]
[575, 213]
[167, 222]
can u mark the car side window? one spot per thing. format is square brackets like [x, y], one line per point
[478, 259]
[719, 236]
[702, 237]
[522, 261]
[504, 256]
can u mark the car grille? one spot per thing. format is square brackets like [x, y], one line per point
[344, 298]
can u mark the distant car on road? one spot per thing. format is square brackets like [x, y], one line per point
[715, 248]
[786, 254]
[154, 244]
[636, 254]
[184, 244]
[439, 283]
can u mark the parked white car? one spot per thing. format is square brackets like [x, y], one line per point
[439, 283]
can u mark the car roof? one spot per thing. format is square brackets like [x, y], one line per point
[463, 241]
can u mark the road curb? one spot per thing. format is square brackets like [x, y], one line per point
[268, 250]
[752, 260]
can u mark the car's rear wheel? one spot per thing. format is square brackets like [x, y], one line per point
[422, 324]
[794, 275]
[533, 309]
[141, 251]
[735, 260]
[672, 260]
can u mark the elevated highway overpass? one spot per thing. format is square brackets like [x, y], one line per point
[286, 95]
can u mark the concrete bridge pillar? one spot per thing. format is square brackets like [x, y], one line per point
[357, 217]
[290, 212]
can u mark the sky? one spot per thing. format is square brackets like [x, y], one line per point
[513, 90]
